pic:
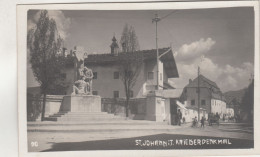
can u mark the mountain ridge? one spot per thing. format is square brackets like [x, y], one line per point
[238, 95]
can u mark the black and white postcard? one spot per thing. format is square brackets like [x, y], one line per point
[144, 79]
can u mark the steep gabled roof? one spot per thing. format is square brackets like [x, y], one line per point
[204, 82]
[210, 85]
[146, 55]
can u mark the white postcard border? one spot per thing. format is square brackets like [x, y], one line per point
[22, 80]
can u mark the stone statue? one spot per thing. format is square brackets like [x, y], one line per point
[83, 85]
[80, 87]
[88, 78]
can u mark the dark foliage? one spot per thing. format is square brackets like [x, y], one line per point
[248, 101]
[44, 44]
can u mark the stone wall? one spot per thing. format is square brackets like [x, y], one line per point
[137, 107]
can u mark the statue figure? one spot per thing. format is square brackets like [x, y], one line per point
[88, 78]
[84, 75]
[80, 87]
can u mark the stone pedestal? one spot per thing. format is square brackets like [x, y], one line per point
[81, 103]
[156, 107]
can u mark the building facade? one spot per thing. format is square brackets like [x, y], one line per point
[211, 98]
[107, 80]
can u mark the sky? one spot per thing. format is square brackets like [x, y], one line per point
[219, 40]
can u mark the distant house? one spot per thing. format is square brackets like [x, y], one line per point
[230, 112]
[234, 105]
[234, 100]
[105, 68]
[211, 98]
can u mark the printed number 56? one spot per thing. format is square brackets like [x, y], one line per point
[34, 144]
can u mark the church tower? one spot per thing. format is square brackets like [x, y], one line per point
[114, 47]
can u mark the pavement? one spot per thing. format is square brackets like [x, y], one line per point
[104, 135]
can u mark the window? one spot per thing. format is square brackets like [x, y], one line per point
[192, 102]
[203, 102]
[131, 94]
[116, 94]
[150, 75]
[63, 76]
[94, 75]
[116, 75]
[95, 92]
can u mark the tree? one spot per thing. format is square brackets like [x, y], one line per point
[129, 69]
[44, 43]
[129, 40]
[130, 63]
[248, 101]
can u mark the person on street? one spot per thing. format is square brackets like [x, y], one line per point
[210, 117]
[183, 120]
[194, 122]
[202, 121]
[217, 118]
[179, 114]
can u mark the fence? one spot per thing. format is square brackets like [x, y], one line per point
[116, 106]
[137, 106]
[34, 106]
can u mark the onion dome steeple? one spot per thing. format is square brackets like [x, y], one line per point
[114, 46]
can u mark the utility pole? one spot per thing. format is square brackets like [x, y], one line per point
[198, 93]
[156, 20]
[210, 107]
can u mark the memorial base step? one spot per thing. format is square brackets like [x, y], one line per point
[83, 116]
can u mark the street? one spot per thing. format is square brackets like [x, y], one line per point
[142, 137]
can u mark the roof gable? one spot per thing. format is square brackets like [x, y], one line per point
[210, 85]
[203, 82]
